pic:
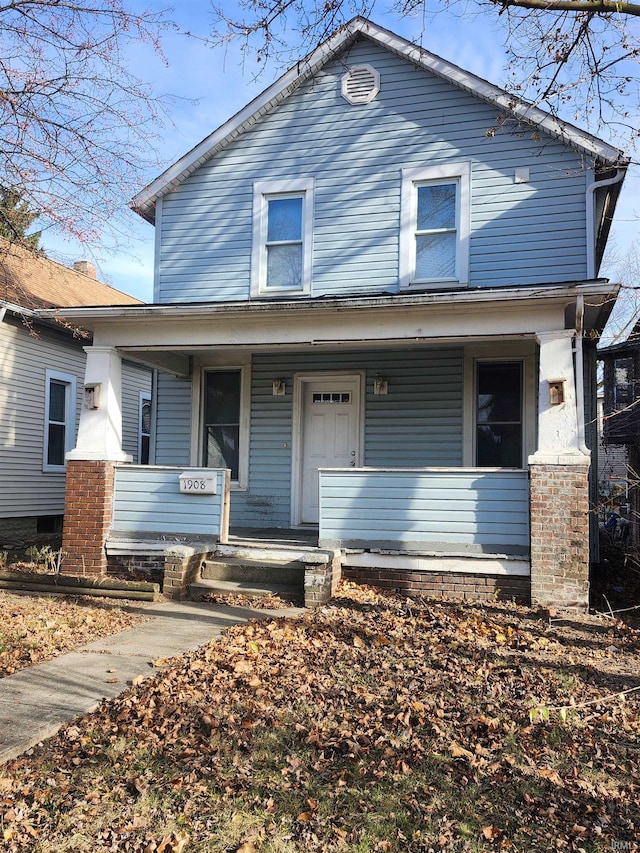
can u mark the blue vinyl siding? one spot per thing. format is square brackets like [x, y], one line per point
[173, 426]
[466, 511]
[525, 233]
[419, 422]
[148, 500]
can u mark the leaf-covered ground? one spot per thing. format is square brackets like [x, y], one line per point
[37, 628]
[374, 724]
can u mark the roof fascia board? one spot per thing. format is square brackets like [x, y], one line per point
[502, 295]
[143, 202]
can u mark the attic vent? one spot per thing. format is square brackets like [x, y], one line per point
[360, 84]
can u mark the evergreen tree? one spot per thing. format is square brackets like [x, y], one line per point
[16, 218]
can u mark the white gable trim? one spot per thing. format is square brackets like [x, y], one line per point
[144, 202]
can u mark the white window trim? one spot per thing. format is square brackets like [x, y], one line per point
[197, 423]
[69, 417]
[144, 397]
[411, 179]
[262, 191]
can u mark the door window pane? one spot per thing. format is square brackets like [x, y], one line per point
[499, 415]
[222, 420]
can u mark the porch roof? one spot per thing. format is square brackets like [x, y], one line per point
[600, 294]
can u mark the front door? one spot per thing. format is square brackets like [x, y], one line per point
[329, 435]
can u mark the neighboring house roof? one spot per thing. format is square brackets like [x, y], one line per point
[144, 202]
[30, 281]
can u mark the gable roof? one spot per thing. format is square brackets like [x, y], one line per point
[30, 281]
[144, 202]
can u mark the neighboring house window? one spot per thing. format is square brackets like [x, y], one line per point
[623, 391]
[499, 414]
[434, 234]
[59, 418]
[222, 404]
[282, 237]
[144, 428]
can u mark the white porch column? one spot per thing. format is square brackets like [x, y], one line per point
[559, 484]
[560, 441]
[100, 428]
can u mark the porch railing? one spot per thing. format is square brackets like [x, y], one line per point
[463, 510]
[148, 502]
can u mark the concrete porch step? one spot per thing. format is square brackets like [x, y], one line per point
[275, 553]
[241, 569]
[252, 589]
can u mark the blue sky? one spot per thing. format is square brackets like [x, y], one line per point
[208, 85]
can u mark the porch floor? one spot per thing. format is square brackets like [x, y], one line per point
[306, 537]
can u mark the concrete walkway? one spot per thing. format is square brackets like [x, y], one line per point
[37, 701]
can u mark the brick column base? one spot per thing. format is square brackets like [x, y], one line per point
[321, 581]
[560, 535]
[88, 507]
[181, 568]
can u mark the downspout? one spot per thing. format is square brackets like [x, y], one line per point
[3, 311]
[591, 215]
[579, 371]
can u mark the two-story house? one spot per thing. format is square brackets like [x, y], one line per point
[375, 292]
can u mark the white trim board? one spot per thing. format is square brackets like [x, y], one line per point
[476, 564]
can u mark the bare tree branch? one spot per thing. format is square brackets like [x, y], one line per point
[76, 126]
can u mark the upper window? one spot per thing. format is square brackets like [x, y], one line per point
[60, 419]
[434, 239]
[499, 425]
[282, 237]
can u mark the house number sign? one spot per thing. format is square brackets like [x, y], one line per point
[197, 483]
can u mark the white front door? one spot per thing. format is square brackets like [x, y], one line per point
[329, 435]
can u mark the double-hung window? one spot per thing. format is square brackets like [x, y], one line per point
[222, 407]
[59, 419]
[282, 237]
[434, 237]
[499, 414]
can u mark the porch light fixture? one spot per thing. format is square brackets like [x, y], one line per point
[556, 391]
[279, 387]
[380, 385]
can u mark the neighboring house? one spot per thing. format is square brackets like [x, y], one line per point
[41, 386]
[375, 297]
[620, 432]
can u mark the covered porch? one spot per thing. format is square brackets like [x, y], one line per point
[436, 441]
